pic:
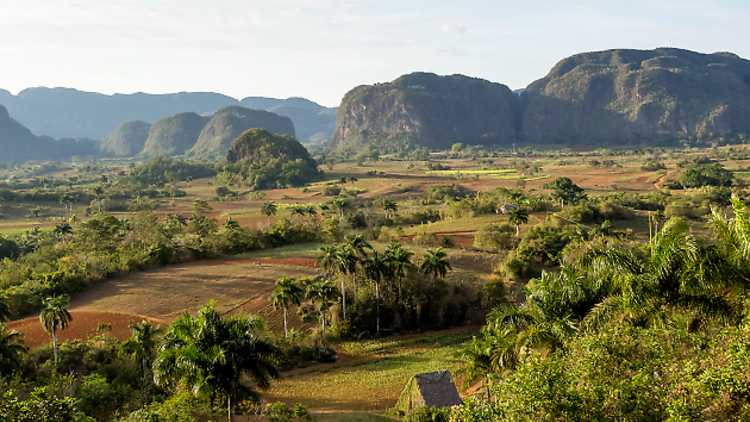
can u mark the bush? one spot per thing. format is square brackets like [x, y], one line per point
[494, 236]
[427, 414]
[331, 190]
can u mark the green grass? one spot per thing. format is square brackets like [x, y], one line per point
[457, 225]
[376, 379]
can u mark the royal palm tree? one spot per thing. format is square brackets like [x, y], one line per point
[98, 191]
[298, 210]
[11, 350]
[341, 204]
[268, 209]
[180, 220]
[63, 229]
[517, 217]
[310, 211]
[338, 258]
[435, 263]
[389, 206]
[322, 293]
[215, 357]
[400, 261]
[287, 293]
[378, 269]
[55, 314]
[142, 344]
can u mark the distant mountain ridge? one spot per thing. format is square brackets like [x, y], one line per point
[610, 97]
[69, 113]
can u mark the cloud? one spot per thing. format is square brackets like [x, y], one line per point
[454, 28]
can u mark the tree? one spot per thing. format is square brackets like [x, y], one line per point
[477, 362]
[287, 293]
[322, 293]
[389, 206]
[142, 344]
[673, 273]
[340, 258]
[298, 210]
[268, 209]
[11, 350]
[517, 217]
[62, 229]
[435, 263]
[215, 357]
[179, 220]
[4, 310]
[378, 269]
[400, 261]
[98, 191]
[564, 190]
[352, 179]
[310, 211]
[55, 314]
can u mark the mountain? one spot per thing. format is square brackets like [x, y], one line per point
[68, 113]
[311, 126]
[17, 143]
[258, 147]
[127, 140]
[430, 110]
[230, 122]
[174, 135]
[634, 94]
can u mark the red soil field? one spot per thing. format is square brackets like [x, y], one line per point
[82, 326]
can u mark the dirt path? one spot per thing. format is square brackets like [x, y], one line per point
[659, 181]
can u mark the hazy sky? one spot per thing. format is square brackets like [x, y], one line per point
[319, 49]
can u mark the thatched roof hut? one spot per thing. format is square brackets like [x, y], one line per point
[433, 389]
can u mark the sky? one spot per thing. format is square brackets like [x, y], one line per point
[320, 49]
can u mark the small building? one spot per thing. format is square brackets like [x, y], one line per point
[506, 209]
[433, 389]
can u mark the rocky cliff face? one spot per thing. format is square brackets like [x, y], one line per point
[227, 124]
[622, 94]
[431, 110]
[601, 97]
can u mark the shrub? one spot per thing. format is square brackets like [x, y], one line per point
[427, 414]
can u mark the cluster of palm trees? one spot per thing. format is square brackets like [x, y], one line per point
[673, 278]
[388, 267]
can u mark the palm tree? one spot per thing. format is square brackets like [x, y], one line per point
[287, 293]
[378, 269]
[268, 209]
[142, 344]
[337, 258]
[476, 357]
[352, 179]
[400, 261]
[321, 293]
[340, 204]
[215, 357]
[435, 263]
[180, 220]
[517, 217]
[659, 218]
[11, 349]
[389, 206]
[298, 210]
[673, 273]
[62, 230]
[98, 191]
[310, 211]
[55, 314]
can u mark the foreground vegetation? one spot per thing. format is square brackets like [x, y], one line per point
[599, 305]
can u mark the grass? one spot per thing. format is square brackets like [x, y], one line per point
[374, 376]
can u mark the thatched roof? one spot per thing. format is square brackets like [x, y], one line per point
[433, 389]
